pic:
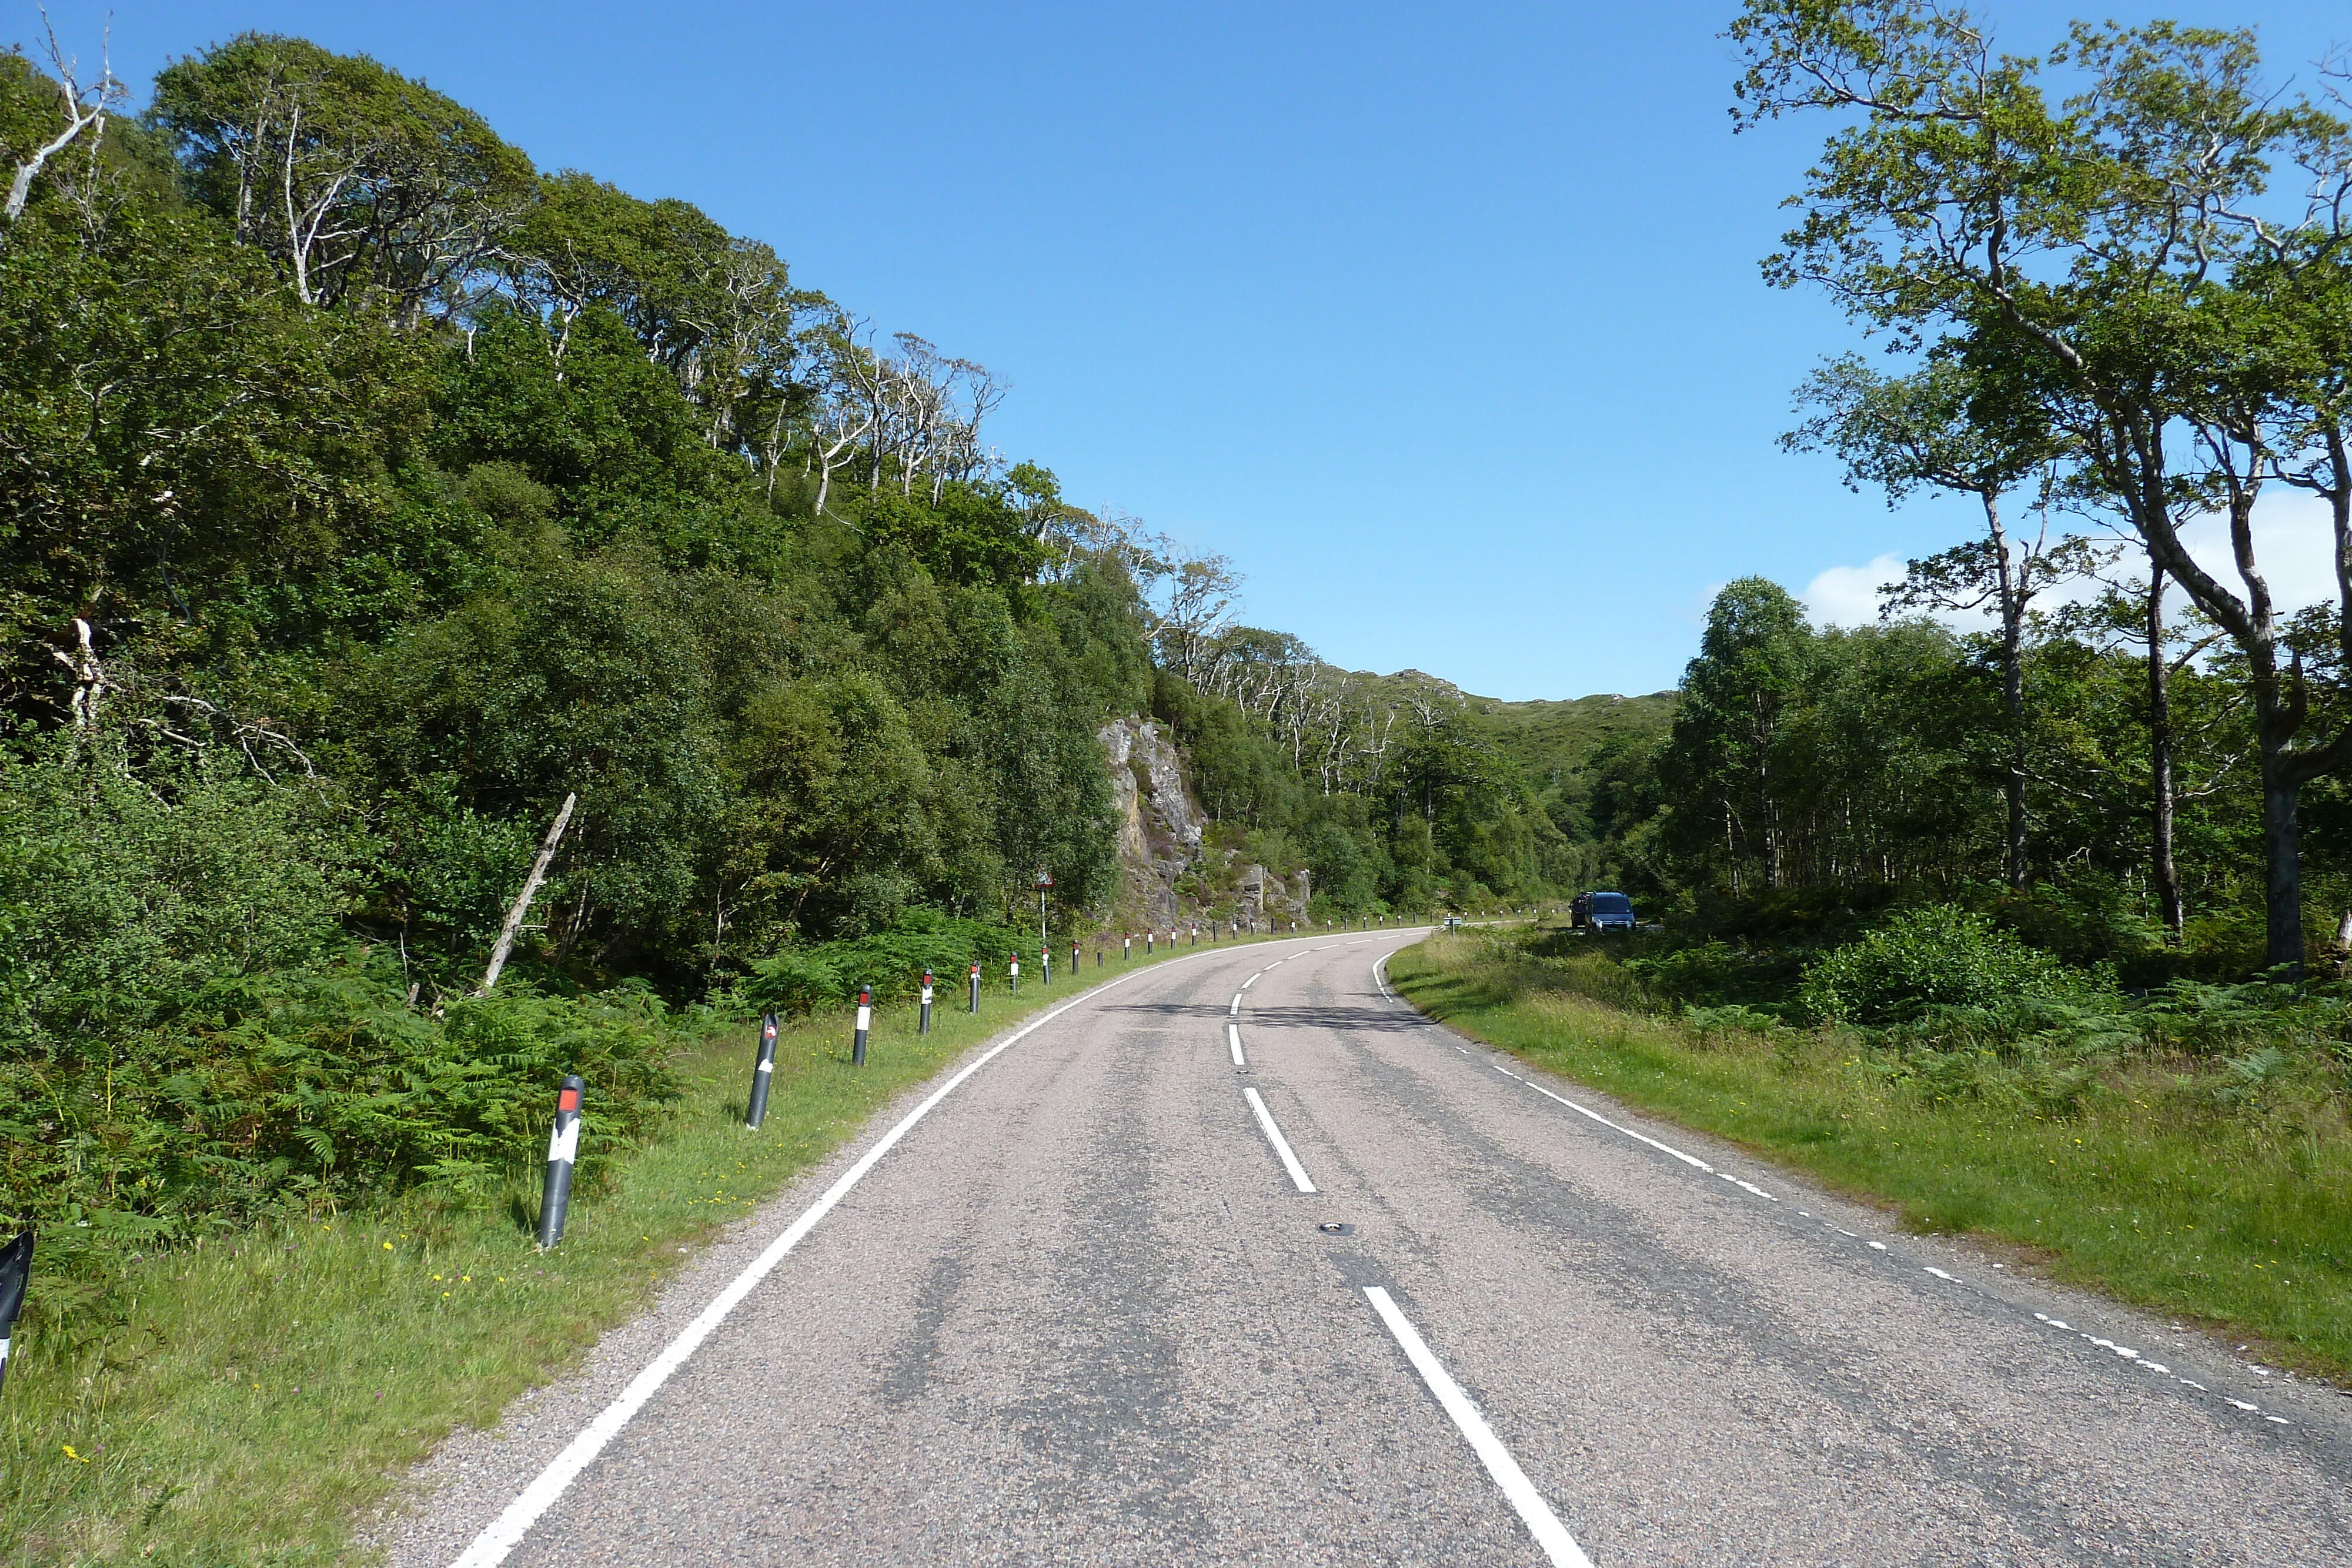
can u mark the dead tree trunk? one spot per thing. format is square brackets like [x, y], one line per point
[2160, 756]
[523, 900]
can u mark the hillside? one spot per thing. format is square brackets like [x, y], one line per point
[1553, 741]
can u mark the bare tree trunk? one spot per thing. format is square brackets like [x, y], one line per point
[2013, 690]
[523, 900]
[2159, 759]
[2282, 880]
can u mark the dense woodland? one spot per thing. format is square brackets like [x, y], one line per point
[370, 493]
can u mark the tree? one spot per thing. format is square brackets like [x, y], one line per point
[349, 175]
[2084, 256]
[32, 140]
[1942, 427]
[1753, 659]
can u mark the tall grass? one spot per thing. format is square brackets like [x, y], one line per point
[2213, 1187]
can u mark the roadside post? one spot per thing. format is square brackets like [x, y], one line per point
[1126, 946]
[923, 1025]
[865, 1022]
[975, 985]
[563, 1151]
[1045, 965]
[1013, 969]
[16, 1269]
[1148, 938]
[763, 1071]
[1074, 959]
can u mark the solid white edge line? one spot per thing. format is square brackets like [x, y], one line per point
[1281, 1144]
[502, 1534]
[1233, 1039]
[1597, 1116]
[1536, 1514]
[1662, 1148]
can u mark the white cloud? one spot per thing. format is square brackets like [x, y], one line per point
[2292, 548]
[1848, 595]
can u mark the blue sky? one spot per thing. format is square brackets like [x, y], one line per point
[1444, 322]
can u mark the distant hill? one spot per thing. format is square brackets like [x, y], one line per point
[1553, 742]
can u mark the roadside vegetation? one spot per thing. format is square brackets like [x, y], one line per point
[2188, 1150]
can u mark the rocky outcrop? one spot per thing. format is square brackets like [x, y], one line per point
[1162, 832]
[1159, 822]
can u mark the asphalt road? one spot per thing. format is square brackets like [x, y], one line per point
[1083, 1312]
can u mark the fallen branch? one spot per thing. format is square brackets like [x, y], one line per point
[523, 900]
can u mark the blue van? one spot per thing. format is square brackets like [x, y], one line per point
[1601, 912]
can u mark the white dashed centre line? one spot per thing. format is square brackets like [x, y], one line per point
[1281, 1144]
[1236, 1008]
[1541, 1522]
[1233, 1039]
[1252, 980]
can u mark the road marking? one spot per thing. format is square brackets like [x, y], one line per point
[1536, 1514]
[504, 1533]
[1235, 1011]
[1233, 1039]
[1582, 1111]
[1252, 980]
[1281, 1144]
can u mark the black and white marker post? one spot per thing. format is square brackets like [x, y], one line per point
[763, 1071]
[562, 1150]
[975, 985]
[1046, 966]
[1126, 946]
[1074, 959]
[865, 1022]
[923, 1024]
[1013, 969]
[16, 1269]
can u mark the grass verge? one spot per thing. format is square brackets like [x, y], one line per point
[247, 1401]
[2238, 1217]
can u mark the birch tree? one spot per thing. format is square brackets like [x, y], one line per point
[2096, 254]
[349, 175]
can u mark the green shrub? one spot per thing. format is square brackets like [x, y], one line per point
[794, 983]
[316, 1088]
[1936, 956]
[800, 979]
[188, 1039]
[1714, 973]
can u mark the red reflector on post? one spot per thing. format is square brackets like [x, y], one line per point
[567, 1099]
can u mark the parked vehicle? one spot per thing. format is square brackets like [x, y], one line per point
[1601, 911]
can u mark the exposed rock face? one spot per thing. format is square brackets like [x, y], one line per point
[1159, 826]
[1160, 838]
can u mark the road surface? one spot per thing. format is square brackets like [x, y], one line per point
[1090, 1308]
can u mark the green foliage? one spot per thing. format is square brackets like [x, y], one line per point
[349, 175]
[194, 1039]
[892, 961]
[1938, 956]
